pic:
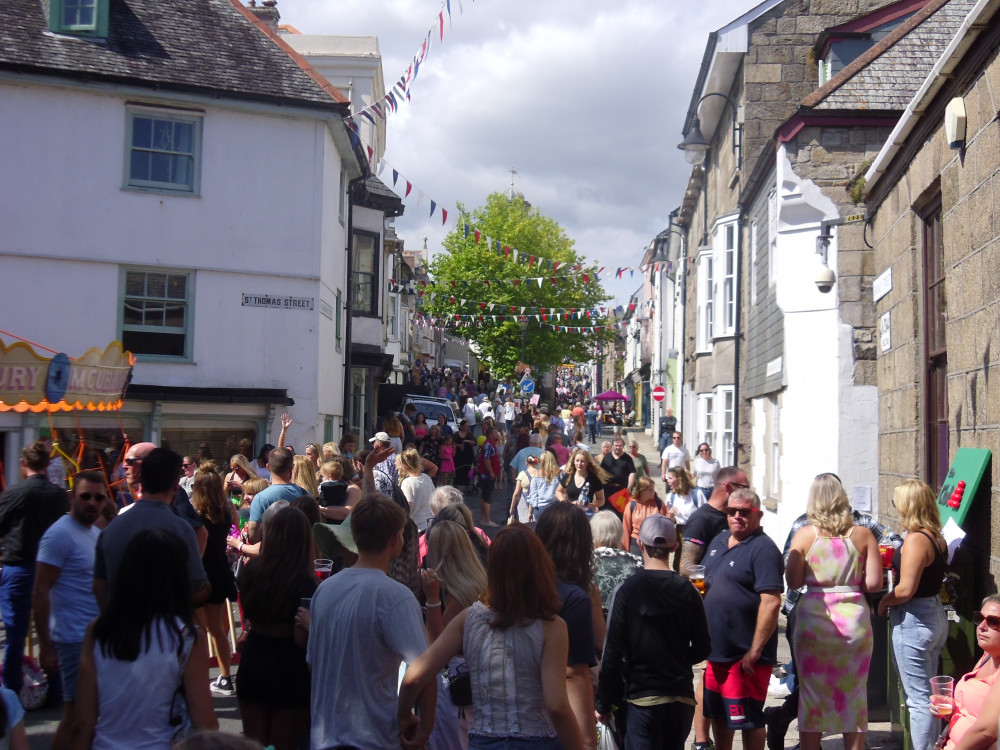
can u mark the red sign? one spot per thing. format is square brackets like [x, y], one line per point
[659, 393]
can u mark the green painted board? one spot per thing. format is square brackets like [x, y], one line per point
[969, 466]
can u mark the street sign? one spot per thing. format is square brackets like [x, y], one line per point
[527, 385]
[659, 393]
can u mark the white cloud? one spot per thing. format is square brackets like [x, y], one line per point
[584, 99]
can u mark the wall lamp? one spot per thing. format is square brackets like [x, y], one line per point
[695, 146]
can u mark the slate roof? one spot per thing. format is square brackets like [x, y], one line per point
[206, 47]
[886, 76]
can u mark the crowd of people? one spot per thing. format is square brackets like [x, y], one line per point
[600, 608]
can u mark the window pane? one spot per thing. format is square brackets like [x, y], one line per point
[135, 283]
[163, 135]
[156, 285]
[132, 312]
[183, 137]
[154, 314]
[177, 286]
[142, 132]
[159, 167]
[182, 170]
[174, 315]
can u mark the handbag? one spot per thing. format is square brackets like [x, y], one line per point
[459, 680]
[180, 715]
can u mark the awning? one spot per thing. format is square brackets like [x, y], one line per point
[94, 382]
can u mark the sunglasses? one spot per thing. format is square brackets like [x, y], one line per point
[992, 621]
[92, 496]
[738, 485]
[133, 461]
[743, 512]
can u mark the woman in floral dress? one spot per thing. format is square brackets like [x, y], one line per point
[838, 561]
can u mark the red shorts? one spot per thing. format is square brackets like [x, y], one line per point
[735, 696]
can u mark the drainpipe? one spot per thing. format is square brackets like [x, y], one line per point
[738, 261]
[349, 303]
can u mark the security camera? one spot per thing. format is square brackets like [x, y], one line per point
[825, 279]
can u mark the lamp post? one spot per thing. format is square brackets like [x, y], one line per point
[661, 247]
[695, 146]
[524, 331]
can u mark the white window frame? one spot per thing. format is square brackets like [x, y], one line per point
[706, 301]
[190, 187]
[187, 329]
[772, 234]
[725, 271]
[774, 460]
[753, 262]
[725, 400]
[706, 419]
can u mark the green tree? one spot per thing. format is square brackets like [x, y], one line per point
[480, 275]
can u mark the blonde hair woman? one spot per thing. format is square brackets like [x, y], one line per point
[833, 634]
[919, 625]
[304, 475]
[416, 486]
[543, 486]
[240, 471]
[583, 482]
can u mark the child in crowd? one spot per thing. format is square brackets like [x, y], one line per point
[446, 475]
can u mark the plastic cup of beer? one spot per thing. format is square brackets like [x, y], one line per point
[324, 569]
[696, 574]
[942, 696]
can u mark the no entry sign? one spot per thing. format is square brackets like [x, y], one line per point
[659, 393]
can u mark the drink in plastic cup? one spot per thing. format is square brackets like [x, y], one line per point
[942, 696]
[696, 573]
[324, 569]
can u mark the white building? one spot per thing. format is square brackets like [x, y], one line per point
[176, 177]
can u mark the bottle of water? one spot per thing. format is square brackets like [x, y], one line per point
[585, 494]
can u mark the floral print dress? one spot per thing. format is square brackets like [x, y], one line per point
[833, 639]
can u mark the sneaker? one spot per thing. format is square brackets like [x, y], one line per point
[223, 686]
[488, 524]
[703, 745]
[778, 688]
[777, 726]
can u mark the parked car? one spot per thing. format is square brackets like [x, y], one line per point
[431, 406]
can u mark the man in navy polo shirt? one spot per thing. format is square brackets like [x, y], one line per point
[743, 572]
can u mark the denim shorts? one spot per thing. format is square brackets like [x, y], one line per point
[69, 667]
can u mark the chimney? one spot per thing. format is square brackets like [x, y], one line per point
[266, 12]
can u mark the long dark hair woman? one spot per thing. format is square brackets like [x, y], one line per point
[273, 683]
[515, 647]
[564, 530]
[141, 651]
[219, 516]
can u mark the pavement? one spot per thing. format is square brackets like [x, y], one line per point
[42, 723]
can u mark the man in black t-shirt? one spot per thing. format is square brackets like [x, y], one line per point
[704, 525]
[621, 468]
[744, 575]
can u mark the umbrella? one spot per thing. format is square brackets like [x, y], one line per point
[610, 396]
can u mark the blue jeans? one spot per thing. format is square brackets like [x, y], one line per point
[513, 743]
[16, 582]
[663, 727]
[919, 631]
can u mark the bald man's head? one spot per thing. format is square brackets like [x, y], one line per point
[133, 461]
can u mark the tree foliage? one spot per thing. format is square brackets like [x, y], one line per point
[520, 226]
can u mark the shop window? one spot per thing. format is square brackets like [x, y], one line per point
[214, 444]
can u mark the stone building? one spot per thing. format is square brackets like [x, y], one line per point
[934, 226]
[795, 99]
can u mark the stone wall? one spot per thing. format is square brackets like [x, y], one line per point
[969, 185]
